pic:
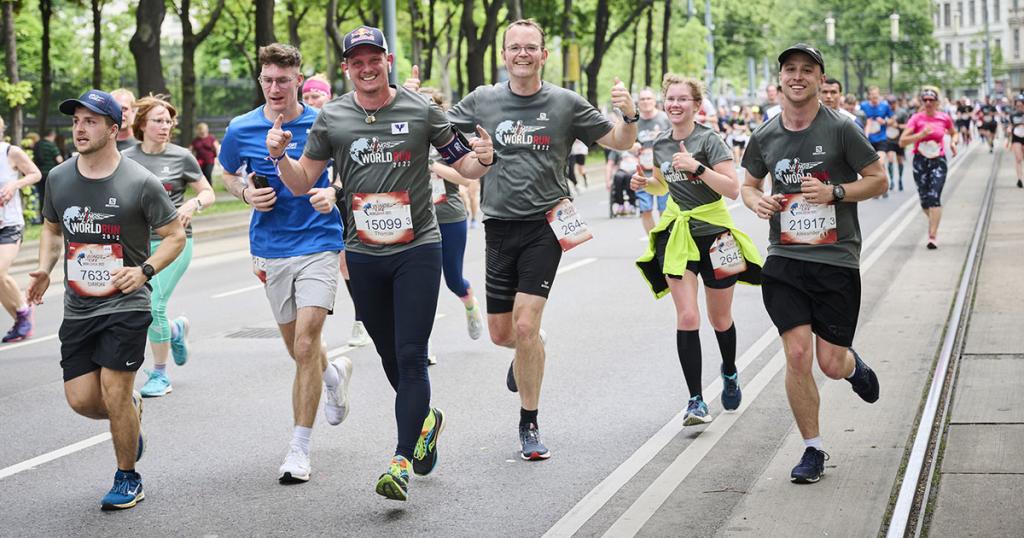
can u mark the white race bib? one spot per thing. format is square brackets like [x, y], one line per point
[726, 258]
[383, 218]
[90, 267]
[929, 148]
[259, 268]
[892, 132]
[873, 127]
[804, 223]
[1018, 131]
[647, 158]
[988, 118]
[437, 191]
[569, 227]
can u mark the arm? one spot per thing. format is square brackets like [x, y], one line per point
[49, 252]
[449, 174]
[756, 200]
[204, 198]
[172, 235]
[20, 162]
[623, 135]
[259, 199]
[873, 182]
[475, 164]
[721, 177]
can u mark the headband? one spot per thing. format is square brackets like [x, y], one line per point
[316, 85]
[929, 93]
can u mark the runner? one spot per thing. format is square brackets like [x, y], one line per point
[126, 99]
[652, 123]
[295, 246]
[879, 118]
[1015, 137]
[620, 168]
[901, 116]
[988, 124]
[925, 130]
[771, 105]
[832, 97]
[104, 207]
[811, 280]
[964, 110]
[12, 227]
[534, 123]
[316, 91]
[699, 170]
[379, 137]
[176, 169]
[46, 155]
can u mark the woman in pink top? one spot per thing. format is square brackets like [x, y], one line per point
[926, 130]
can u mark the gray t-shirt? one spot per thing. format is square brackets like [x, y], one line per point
[646, 132]
[448, 206]
[387, 156]
[832, 149]
[532, 135]
[175, 168]
[127, 143]
[103, 221]
[688, 192]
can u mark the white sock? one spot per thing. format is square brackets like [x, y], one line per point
[331, 378]
[301, 437]
[815, 443]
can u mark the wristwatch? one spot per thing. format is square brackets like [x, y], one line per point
[838, 192]
[339, 193]
[699, 171]
[148, 270]
[636, 117]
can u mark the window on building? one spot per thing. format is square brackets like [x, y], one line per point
[999, 47]
[995, 10]
[945, 13]
[970, 13]
[960, 55]
[960, 12]
[949, 53]
[1016, 42]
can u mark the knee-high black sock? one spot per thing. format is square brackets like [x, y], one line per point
[355, 309]
[727, 345]
[688, 347]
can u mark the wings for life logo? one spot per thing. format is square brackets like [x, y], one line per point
[790, 171]
[673, 176]
[515, 133]
[366, 151]
[82, 220]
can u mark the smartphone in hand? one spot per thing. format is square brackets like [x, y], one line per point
[260, 182]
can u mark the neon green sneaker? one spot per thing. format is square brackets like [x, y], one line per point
[424, 456]
[394, 484]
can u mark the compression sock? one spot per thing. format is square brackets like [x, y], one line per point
[727, 345]
[688, 347]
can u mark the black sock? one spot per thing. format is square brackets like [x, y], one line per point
[688, 347]
[527, 417]
[127, 471]
[727, 345]
[348, 285]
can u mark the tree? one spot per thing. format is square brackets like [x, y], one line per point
[666, 29]
[46, 70]
[264, 36]
[13, 89]
[97, 43]
[296, 13]
[190, 41]
[477, 44]
[145, 47]
[603, 40]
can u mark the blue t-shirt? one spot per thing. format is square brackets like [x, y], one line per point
[881, 111]
[292, 227]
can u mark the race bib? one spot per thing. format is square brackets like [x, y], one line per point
[804, 223]
[726, 258]
[892, 132]
[647, 158]
[259, 268]
[569, 227]
[1018, 131]
[988, 118]
[383, 218]
[873, 127]
[930, 149]
[437, 192]
[90, 268]
[965, 115]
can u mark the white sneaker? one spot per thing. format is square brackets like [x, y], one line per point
[474, 321]
[295, 469]
[431, 357]
[359, 337]
[336, 400]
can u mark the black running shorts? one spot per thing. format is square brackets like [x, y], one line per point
[826, 297]
[114, 341]
[702, 267]
[522, 256]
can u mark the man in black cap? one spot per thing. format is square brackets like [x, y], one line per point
[811, 278]
[103, 206]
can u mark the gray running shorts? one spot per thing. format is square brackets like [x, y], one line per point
[301, 282]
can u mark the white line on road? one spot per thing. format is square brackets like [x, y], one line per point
[50, 456]
[47, 338]
[237, 292]
[575, 265]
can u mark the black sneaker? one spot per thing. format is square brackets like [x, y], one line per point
[731, 393]
[811, 467]
[864, 380]
[1020, 184]
[510, 378]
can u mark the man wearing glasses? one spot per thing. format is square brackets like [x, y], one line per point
[295, 248]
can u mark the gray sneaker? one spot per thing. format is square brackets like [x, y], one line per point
[533, 448]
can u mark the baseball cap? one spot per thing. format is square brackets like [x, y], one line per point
[814, 53]
[97, 101]
[364, 35]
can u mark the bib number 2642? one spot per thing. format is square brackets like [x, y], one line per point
[569, 227]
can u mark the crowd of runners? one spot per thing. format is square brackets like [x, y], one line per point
[376, 188]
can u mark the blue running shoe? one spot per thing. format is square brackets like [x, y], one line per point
[22, 328]
[157, 385]
[811, 466]
[126, 493]
[731, 393]
[424, 456]
[137, 402]
[510, 378]
[533, 448]
[696, 412]
[864, 380]
[179, 345]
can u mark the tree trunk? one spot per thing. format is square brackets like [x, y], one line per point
[190, 41]
[295, 16]
[477, 45]
[45, 11]
[568, 36]
[417, 33]
[145, 47]
[515, 10]
[264, 36]
[458, 64]
[11, 62]
[666, 28]
[443, 59]
[97, 42]
[648, 54]
[632, 57]
[335, 38]
[602, 41]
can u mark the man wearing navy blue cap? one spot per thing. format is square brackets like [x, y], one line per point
[103, 207]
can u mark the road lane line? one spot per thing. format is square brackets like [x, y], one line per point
[29, 342]
[50, 456]
[575, 265]
[237, 292]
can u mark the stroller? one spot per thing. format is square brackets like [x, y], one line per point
[622, 199]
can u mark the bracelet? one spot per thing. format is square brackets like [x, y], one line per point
[243, 196]
[276, 160]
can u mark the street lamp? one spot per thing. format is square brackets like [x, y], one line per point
[830, 38]
[894, 37]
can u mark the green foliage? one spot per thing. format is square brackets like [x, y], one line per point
[15, 95]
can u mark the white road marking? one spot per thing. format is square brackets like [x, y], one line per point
[29, 342]
[575, 265]
[50, 456]
[237, 292]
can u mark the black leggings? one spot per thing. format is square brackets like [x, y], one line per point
[397, 300]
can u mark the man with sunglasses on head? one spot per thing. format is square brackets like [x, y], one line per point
[295, 247]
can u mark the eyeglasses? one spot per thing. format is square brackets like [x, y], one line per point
[168, 122]
[671, 100]
[281, 81]
[516, 49]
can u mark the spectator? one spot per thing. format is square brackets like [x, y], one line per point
[205, 147]
[46, 155]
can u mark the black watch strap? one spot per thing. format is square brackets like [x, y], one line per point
[634, 119]
[700, 170]
[339, 193]
[148, 271]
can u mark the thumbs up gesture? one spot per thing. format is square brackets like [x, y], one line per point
[621, 99]
[413, 82]
[277, 138]
[483, 147]
[639, 180]
[683, 160]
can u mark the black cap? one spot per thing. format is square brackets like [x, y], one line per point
[97, 101]
[364, 35]
[814, 53]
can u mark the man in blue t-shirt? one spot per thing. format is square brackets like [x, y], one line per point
[879, 117]
[295, 248]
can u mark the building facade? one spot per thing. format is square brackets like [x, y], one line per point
[960, 30]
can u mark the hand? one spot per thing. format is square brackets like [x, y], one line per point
[277, 138]
[39, 281]
[639, 180]
[768, 205]
[816, 191]
[322, 200]
[262, 200]
[621, 99]
[128, 279]
[683, 160]
[8, 192]
[483, 147]
[185, 213]
[413, 82]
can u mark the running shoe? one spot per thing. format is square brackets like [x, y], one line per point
[474, 321]
[472, 224]
[1020, 184]
[22, 328]
[179, 345]
[359, 336]
[336, 399]
[126, 493]
[510, 378]
[533, 448]
[424, 457]
[137, 402]
[933, 243]
[394, 484]
[617, 209]
[811, 466]
[864, 380]
[731, 393]
[431, 357]
[157, 385]
[696, 412]
[295, 469]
